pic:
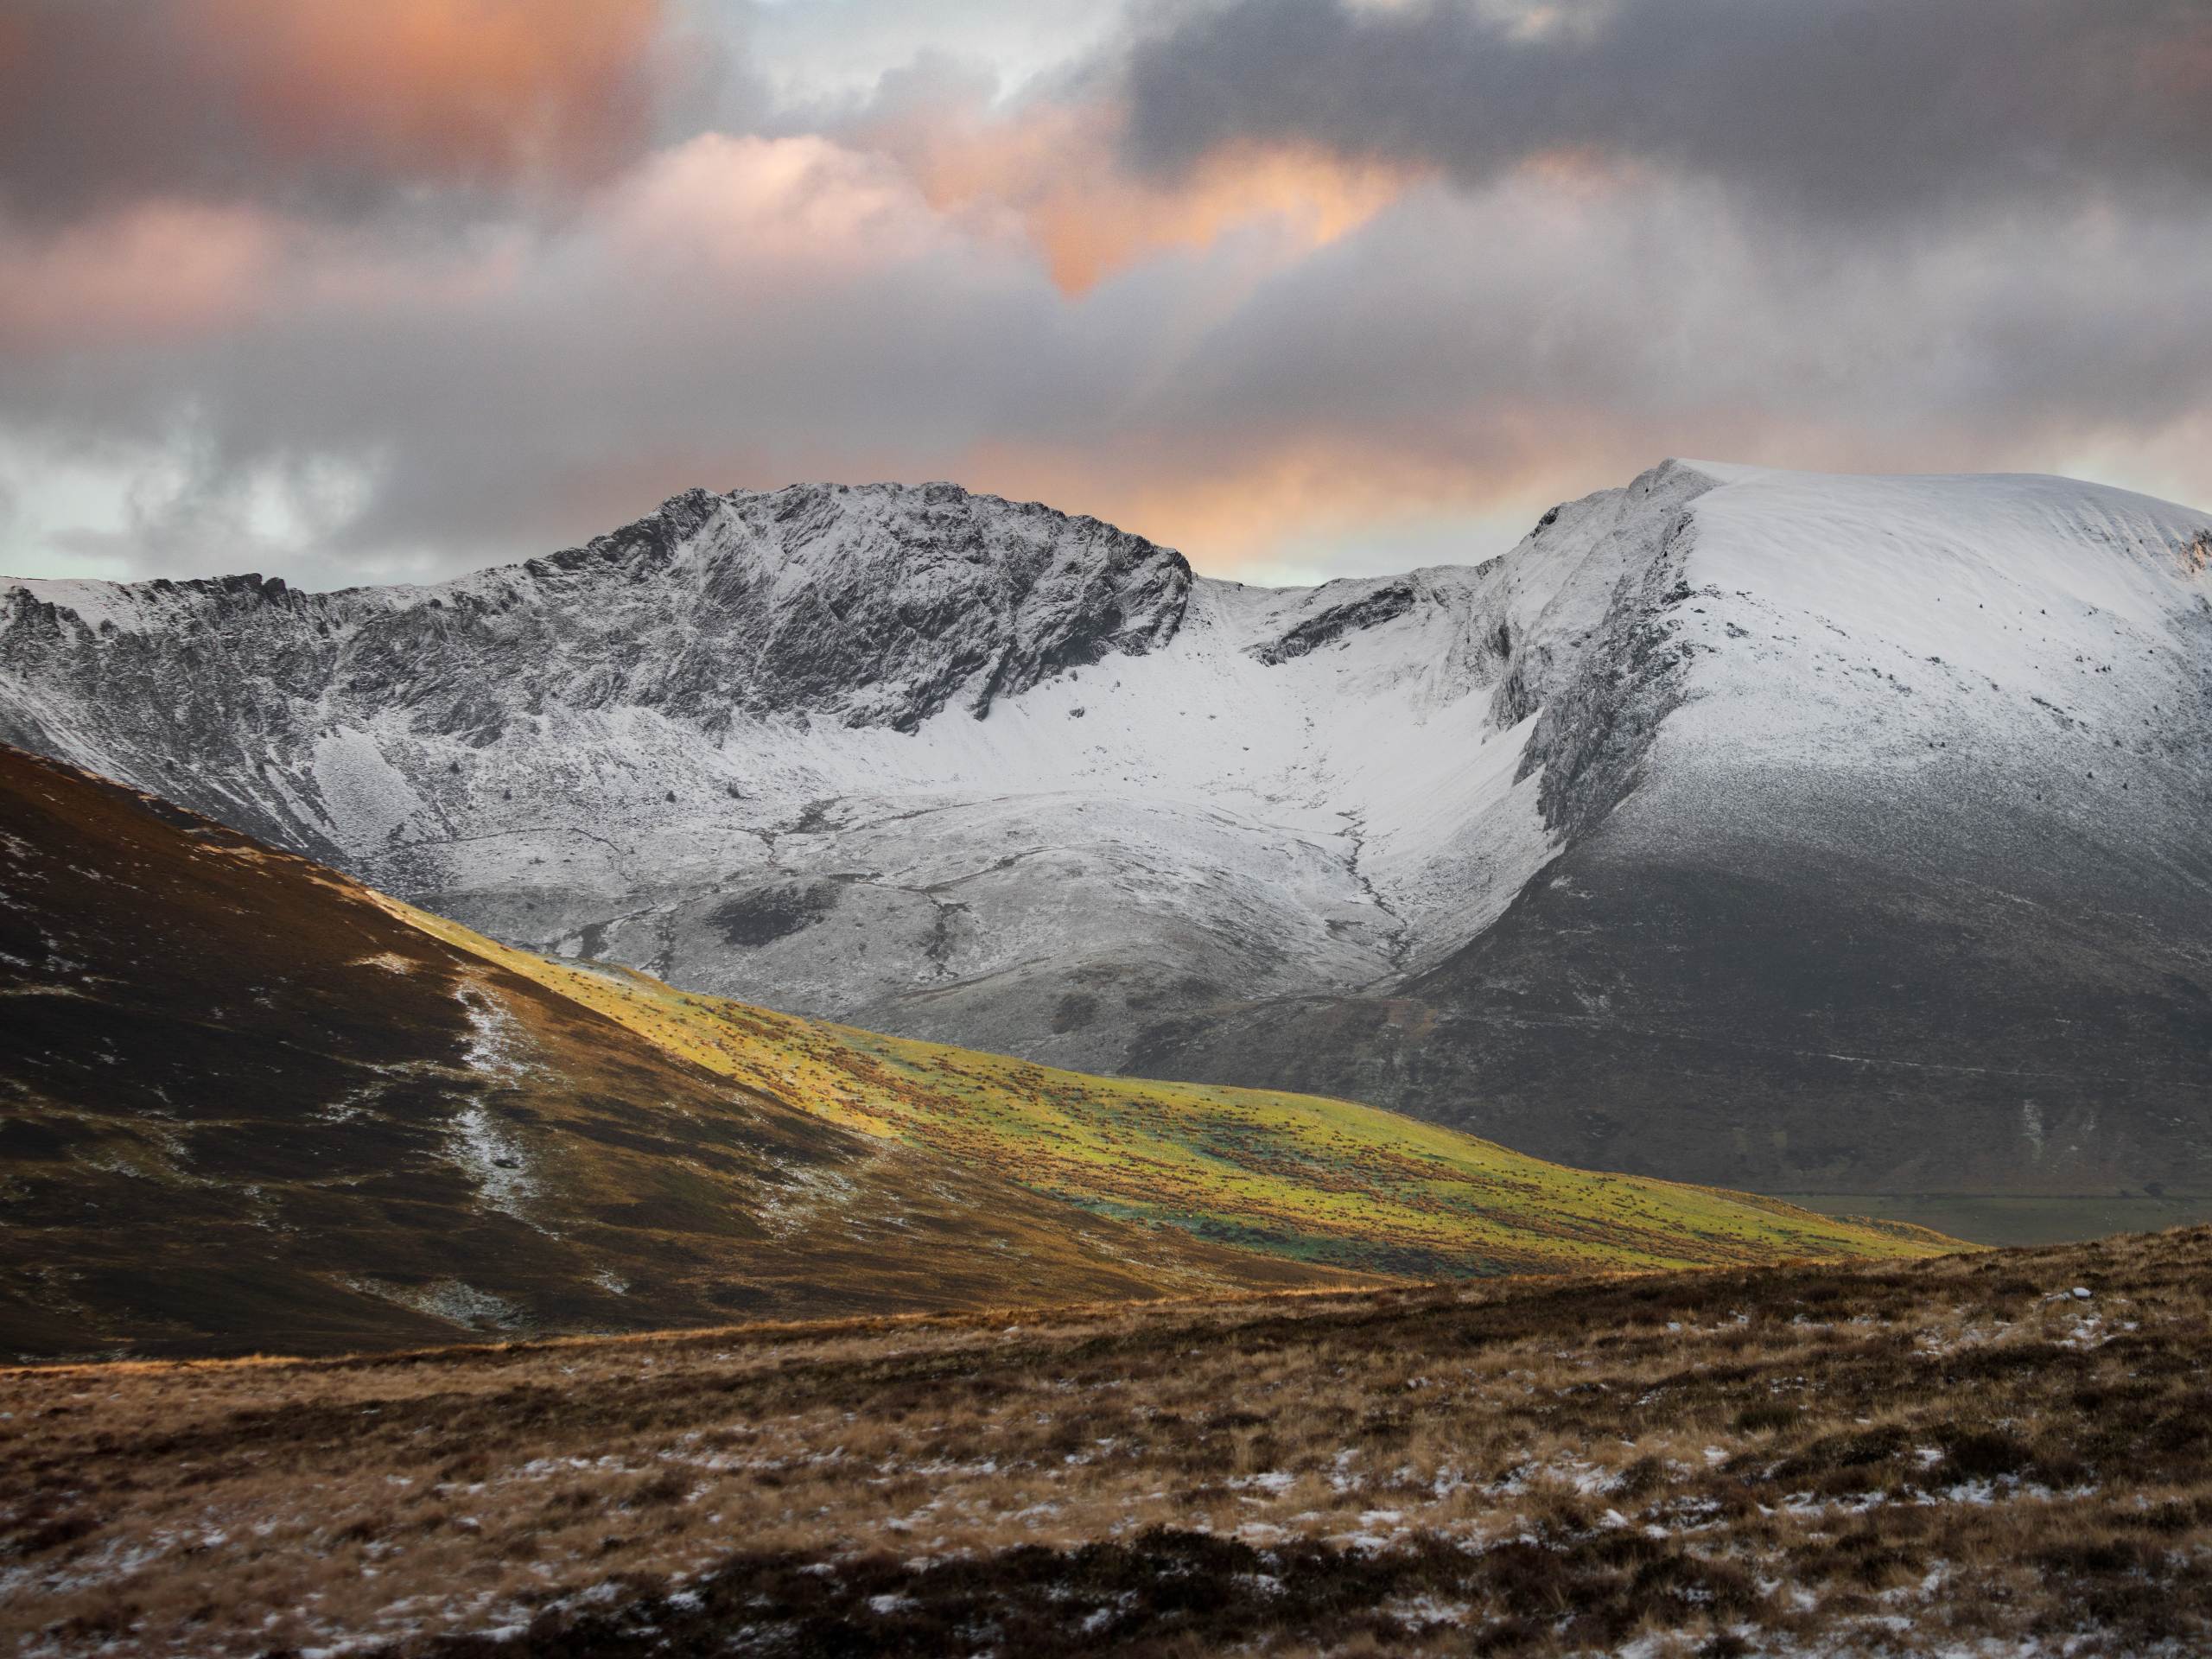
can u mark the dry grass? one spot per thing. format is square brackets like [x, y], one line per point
[1872, 1459]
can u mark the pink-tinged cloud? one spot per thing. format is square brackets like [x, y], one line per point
[1263, 354]
[1053, 170]
[748, 209]
[327, 105]
[1234, 507]
[440, 91]
[152, 274]
[170, 275]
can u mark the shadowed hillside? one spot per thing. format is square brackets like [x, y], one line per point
[248, 1104]
[244, 1107]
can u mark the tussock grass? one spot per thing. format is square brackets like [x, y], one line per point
[1861, 1457]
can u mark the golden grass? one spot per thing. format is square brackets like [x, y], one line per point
[1324, 1182]
[388, 1130]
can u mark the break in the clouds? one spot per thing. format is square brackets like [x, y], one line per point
[347, 292]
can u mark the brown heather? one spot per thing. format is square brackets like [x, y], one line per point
[1876, 1459]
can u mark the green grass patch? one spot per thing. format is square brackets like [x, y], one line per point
[1294, 1176]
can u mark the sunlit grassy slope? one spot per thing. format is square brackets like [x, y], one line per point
[1320, 1181]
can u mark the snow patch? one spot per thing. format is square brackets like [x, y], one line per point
[451, 1299]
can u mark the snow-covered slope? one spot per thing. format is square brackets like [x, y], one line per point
[1880, 808]
[958, 767]
[912, 755]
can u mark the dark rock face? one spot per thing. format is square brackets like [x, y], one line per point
[879, 606]
[1921, 1005]
[1370, 609]
[1598, 726]
[1852, 1033]
[875, 607]
[885, 614]
[757, 918]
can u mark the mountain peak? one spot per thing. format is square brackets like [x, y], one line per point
[874, 605]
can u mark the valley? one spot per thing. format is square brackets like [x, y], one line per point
[2001, 1219]
[859, 829]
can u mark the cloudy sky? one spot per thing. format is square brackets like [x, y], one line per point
[350, 292]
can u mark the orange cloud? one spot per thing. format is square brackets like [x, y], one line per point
[1226, 511]
[157, 272]
[448, 91]
[747, 206]
[1054, 167]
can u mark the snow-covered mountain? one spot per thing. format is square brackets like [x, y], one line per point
[1784, 829]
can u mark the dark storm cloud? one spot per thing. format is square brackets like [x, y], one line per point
[1845, 106]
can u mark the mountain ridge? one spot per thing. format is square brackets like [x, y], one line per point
[1246, 803]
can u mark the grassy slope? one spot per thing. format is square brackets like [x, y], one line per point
[243, 1106]
[1320, 1181]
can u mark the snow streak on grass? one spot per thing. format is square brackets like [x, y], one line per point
[1320, 1181]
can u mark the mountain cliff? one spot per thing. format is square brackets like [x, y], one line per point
[1785, 831]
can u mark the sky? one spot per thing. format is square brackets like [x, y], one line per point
[352, 293]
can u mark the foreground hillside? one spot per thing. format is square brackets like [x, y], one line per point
[2005, 1453]
[1811, 833]
[246, 1104]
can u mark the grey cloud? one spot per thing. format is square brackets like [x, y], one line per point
[1495, 328]
[1662, 312]
[1849, 107]
[99, 102]
[479, 430]
[1481, 334]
